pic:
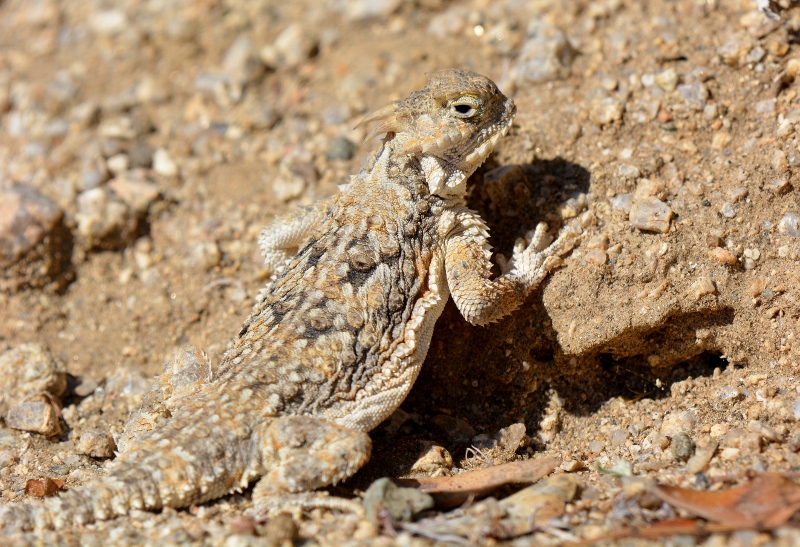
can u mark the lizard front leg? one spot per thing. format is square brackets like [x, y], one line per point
[280, 240]
[303, 453]
[481, 299]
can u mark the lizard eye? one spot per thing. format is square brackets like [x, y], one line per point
[464, 108]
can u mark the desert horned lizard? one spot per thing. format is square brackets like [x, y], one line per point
[338, 338]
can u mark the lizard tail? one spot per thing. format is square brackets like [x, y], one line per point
[101, 499]
[160, 475]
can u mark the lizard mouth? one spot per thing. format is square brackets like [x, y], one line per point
[487, 138]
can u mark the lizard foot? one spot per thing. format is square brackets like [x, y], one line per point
[302, 454]
[266, 502]
[532, 261]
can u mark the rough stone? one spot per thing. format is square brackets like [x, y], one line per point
[401, 503]
[546, 54]
[678, 422]
[682, 447]
[96, 443]
[433, 461]
[104, 221]
[35, 416]
[341, 148]
[650, 214]
[35, 246]
[31, 368]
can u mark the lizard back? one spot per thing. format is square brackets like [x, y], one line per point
[329, 332]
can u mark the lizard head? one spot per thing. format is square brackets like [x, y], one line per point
[451, 125]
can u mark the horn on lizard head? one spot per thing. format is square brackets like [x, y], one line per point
[390, 121]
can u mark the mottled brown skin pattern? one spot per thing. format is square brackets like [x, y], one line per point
[337, 339]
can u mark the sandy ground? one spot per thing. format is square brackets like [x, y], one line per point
[143, 145]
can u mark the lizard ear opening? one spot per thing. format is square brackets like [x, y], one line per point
[388, 118]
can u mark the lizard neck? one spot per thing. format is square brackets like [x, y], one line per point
[441, 177]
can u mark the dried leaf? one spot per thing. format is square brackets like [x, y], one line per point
[34, 487]
[43, 489]
[454, 491]
[659, 530]
[766, 502]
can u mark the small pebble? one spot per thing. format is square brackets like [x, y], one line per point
[727, 210]
[103, 220]
[702, 455]
[682, 447]
[433, 461]
[750, 444]
[623, 202]
[718, 430]
[598, 257]
[677, 422]
[341, 148]
[35, 416]
[777, 186]
[355, 10]
[765, 107]
[735, 49]
[205, 255]
[647, 188]
[118, 163]
[571, 466]
[789, 225]
[738, 194]
[291, 47]
[541, 501]
[163, 164]
[720, 140]
[729, 393]
[702, 286]
[606, 111]
[31, 239]
[730, 454]
[756, 426]
[31, 368]
[710, 112]
[667, 80]
[546, 54]
[510, 438]
[138, 194]
[96, 443]
[650, 214]
[401, 503]
[241, 64]
[755, 254]
[618, 437]
[7, 457]
[723, 255]
[796, 408]
[694, 95]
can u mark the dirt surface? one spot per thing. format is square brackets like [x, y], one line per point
[144, 145]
